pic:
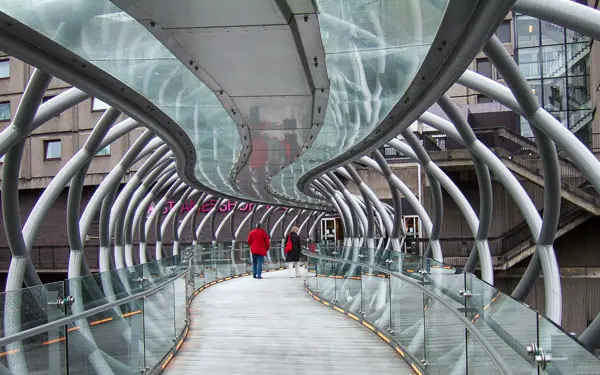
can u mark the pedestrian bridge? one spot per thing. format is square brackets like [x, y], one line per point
[354, 310]
[273, 102]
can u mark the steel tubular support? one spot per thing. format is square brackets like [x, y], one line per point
[155, 215]
[341, 207]
[227, 218]
[10, 136]
[385, 219]
[192, 214]
[358, 212]
[279, 220]
[552, 186]
[167, 179]
[77, 256]
[125, 229]
[353, 175]
[436, 189]
[397, 228]
[484, 180]
[173, 217]
[312, 231]
[487, 272]
[396, 183]
[207, 217]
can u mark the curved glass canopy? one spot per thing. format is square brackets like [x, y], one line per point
[373, 51]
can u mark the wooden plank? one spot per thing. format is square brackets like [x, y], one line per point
[271, 326]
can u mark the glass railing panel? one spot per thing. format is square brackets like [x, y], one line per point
[558, 352]
[221, 261]
[159, 322]
[443, 282]
[349, 288]
[239, 263]
[326, 286]
[376, 297]
[407, 303]
[180, 294]
[110, 341]
[29, 308]
[311, 274]
[444, 341]
[411, 264]
[507, 324]
[480, 362]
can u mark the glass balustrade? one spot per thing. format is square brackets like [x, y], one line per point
[440, 318]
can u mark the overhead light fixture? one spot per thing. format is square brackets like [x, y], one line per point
[530, 28]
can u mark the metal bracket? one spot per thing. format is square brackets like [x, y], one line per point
[423, 272]
[69, 300]
[539, 356]
[141, 279]
[144, 370]
[465, 293]
[388, 261]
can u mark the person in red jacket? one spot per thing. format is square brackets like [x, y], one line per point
[259, 243]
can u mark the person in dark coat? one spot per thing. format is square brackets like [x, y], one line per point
[293, 256]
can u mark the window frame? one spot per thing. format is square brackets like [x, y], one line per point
[506, 23]
[102, 109]
[486, 60]
[9, 110]
[7, 60]
[104, 155]
[47, 142]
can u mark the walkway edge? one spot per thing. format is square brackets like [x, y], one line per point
[414, 363]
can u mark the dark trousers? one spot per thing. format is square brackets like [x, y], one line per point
[257, 264]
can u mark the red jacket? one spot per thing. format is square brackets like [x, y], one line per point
[259, 242]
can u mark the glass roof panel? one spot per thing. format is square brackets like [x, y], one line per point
[110, 39]
[373, 51]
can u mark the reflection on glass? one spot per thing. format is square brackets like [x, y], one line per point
[555, 96]
[553, 60]
[529, 62]
[552, 34]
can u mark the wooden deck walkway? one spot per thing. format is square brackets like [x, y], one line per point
[271, 326]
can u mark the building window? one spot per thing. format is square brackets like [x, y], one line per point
[105, 151]
[4, 68]
[529, 62]
[4, 111]
[552, 33]
[483, 99]
[46, 98]
[503, 32]
[484, 67]
[527, 31]
[98, 105]
[52, 149]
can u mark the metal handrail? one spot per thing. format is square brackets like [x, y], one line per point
[96, 310]
[487, 346]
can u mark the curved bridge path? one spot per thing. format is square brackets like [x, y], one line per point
[271, 326]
